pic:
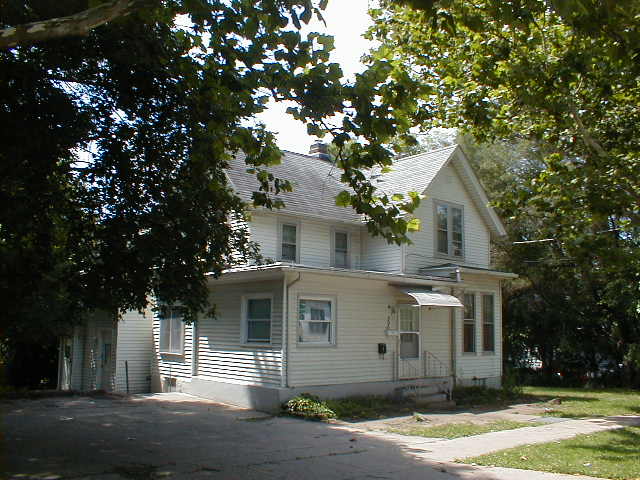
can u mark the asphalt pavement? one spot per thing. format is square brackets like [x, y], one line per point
[176, 436]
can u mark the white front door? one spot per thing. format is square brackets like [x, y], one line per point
[105, 361]
[409, 342]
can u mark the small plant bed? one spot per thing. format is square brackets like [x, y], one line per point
[613, 454]
[477, 396]
[349, 409]
[581, 402]
[457, 430]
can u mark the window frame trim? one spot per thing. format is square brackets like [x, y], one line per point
[334, 231]
[280, 238]
[466, 320]
[493, 323]
[161, 320]
[334, 320]
[244, 318]
[449, 255]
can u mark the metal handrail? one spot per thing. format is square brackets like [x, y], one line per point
[407, 366]
[434, 367]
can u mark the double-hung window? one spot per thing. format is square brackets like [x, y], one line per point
[409, 331]
[488, 323]
[341, 249]
[257, 319]
[469, 324]
[449, 229]
[171, 330]
[289, 242]
[316, 321]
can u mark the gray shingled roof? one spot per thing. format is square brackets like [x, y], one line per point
[316, 182]
[315, 186]
[414, 173]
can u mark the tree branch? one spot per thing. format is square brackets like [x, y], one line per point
[74, 25]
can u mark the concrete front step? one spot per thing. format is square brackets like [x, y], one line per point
[424, 394]
[419, 390]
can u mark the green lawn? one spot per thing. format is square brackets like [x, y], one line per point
[612, 454]
[456, 430]
[581, 402]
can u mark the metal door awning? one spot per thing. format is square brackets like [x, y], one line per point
[432, 299]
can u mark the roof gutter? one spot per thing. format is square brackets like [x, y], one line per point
[476, 271]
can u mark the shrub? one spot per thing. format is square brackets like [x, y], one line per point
[511, 384]
[308, 406]
[362, 407]
[477, 395]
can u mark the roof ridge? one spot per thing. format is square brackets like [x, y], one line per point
[304, 155]
[402, 159]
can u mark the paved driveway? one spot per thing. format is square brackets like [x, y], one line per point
[176, 436]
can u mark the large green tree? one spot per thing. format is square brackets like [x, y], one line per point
[566, 307]
[563, 74]
[117, 119]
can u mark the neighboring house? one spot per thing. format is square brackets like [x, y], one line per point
[338, 312]
[110, 355]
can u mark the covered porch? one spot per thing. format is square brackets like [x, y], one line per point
[424, 333]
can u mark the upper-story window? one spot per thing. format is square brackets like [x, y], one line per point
[289, 242]
[449, 229]
[340, 249]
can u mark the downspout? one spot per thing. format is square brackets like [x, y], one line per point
[285, 327]
[453, 345]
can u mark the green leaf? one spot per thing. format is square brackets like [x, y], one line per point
[343, 199]
[413, 225]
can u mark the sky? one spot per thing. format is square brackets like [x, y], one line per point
[346, 20]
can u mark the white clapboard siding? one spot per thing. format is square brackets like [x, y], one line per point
[222, 355]
[362, 315]
[480, 365]
[448, 187]
[238, 223]
[99, 321]
[314, 237]
[135, 346]
[379, 255]
[263, 230]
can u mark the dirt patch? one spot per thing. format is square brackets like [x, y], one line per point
[518, 413]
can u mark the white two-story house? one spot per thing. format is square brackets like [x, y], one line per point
[337, 312]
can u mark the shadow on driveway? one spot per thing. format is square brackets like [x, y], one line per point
[177, 436]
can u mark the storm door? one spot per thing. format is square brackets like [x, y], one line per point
[409, 342]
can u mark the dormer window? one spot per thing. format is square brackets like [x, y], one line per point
[289, 242]
[449, 229]
[340, 249]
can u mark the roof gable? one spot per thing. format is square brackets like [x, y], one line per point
[417, 172]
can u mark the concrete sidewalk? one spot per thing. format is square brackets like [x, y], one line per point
[458, 448]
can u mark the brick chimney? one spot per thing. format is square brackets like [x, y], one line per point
[320, 150]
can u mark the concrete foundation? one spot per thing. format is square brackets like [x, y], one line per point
[270, 399]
